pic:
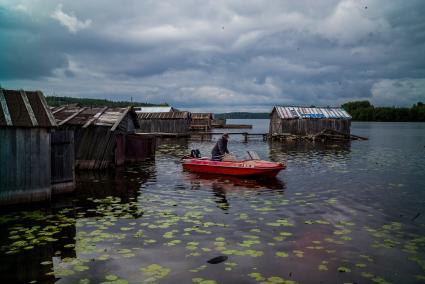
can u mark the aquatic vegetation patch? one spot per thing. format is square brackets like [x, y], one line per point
[27, 238]
[155, 272]
[323, 266]
[343, 269]
[374, 278]
[281, 254]
[200, 280]
[280, 222]
[269, 280]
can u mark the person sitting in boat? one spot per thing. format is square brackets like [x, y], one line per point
[220, 148]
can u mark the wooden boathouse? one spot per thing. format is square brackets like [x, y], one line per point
[104, 137]
[201, 121]
[164, 122]
[25, 158]
[304, 121]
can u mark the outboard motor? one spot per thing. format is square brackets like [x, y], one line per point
[195, 153]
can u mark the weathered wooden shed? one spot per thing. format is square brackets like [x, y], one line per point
[62, 161]
[25, 165]
[164, 122]
[201, 121]
[104, 137]
[308, 120]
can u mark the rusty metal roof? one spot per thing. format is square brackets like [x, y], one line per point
[293, 112]
[203, 115]
[86, 116]
[164, 115]
[20, 108]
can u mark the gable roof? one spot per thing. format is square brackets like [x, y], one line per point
[293, 112]
[19, 108]
[86, 116]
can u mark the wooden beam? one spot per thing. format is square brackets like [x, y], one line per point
[95, 117]
[47, 109]
[58, 109]
[72, 116]
[120, 119]
[29, 108]
[3, 104]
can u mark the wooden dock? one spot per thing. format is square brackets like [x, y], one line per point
[322, 136]
[244, 134]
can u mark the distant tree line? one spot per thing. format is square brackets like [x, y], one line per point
[58, 101]
[365, 111]
[243, 115]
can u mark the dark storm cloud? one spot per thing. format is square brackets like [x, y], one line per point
[217, 54]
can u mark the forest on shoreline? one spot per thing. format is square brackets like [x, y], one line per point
[85, 102]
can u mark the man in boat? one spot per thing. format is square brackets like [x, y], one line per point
[220, 148]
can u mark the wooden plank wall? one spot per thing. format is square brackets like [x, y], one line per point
[25, 174]
[63, 161]
[275, 126]
[94, 148]
[140, 147]
[201, 122]
[164, 125]
[308, 126]
[95, 145]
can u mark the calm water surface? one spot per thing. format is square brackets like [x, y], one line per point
[338, 214]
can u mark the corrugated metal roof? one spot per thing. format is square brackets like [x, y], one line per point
[164, 115]
[86, 116]
[154, 109]
[20, 108]
[292, 112]
[202, 115]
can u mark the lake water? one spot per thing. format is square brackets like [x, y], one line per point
[350, 213]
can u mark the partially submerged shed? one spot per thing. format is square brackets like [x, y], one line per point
[308, 120]
[164, 122]
[25, 126]
[104, 137]
[201, 121]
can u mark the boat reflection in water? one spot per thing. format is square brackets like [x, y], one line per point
[221, 186]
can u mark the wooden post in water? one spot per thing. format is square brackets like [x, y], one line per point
[245, 134]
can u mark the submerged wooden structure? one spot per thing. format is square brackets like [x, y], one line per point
[164, 122]
[305, 121]
[25, 145]
[201, 121]
[104, 137]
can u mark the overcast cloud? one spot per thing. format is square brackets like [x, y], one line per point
[217, 55]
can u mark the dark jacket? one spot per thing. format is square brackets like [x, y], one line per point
[219, 149]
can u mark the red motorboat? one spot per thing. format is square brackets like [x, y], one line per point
[246, 168]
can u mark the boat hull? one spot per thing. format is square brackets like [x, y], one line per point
[250, 168]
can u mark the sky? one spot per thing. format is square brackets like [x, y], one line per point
[217, 55]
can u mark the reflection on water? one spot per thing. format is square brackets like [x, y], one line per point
[339, 213]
